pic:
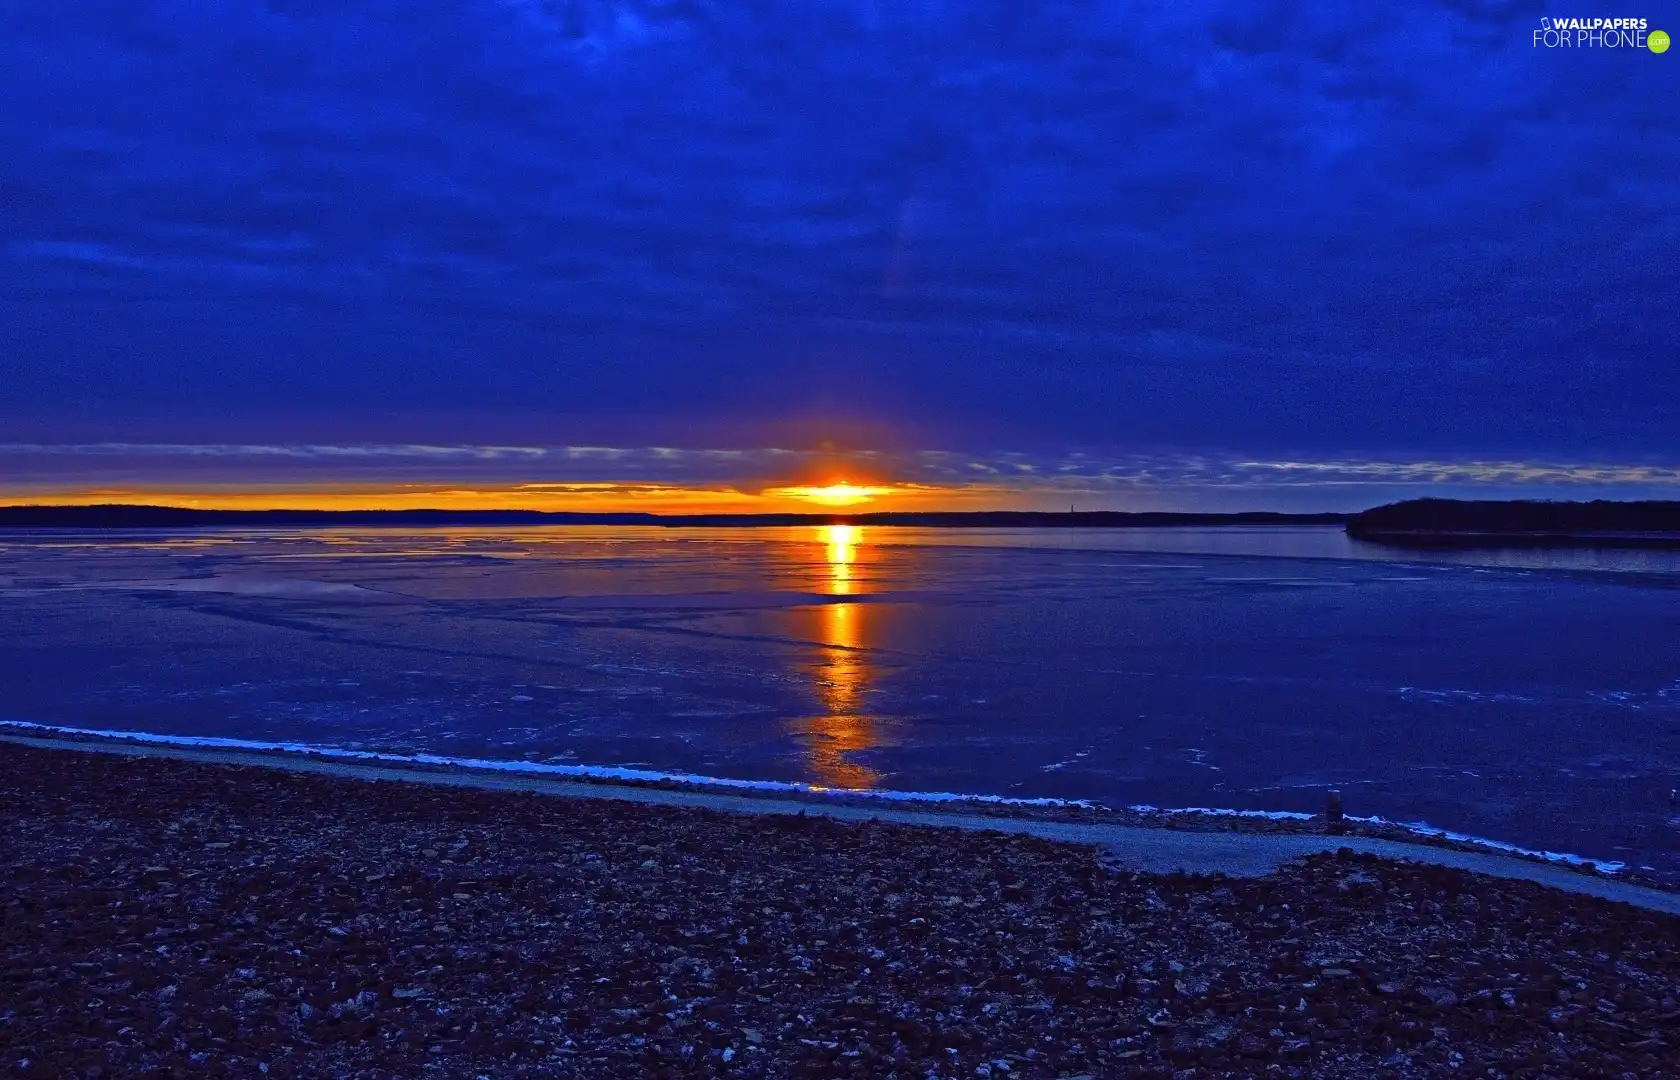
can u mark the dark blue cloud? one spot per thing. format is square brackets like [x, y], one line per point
[1298, 230]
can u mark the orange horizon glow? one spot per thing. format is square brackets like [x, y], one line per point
[606, 498]
[578, 498]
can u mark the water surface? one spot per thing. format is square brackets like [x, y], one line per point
[1530, 696]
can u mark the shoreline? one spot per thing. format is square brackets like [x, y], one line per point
[175, 917]
[1192, 841]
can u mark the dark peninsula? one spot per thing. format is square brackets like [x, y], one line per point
[117, 516]
[1452, 523]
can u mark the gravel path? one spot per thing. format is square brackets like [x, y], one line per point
[178, 918]
[1160, 851]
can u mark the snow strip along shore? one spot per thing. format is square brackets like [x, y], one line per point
[1420, 828]
[723, 783]
[536, 768]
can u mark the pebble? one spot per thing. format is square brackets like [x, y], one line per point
[1438, 996]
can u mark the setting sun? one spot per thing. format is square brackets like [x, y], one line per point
[837, 494]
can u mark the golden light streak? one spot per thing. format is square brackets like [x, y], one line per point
[843, 676]
[842, 541]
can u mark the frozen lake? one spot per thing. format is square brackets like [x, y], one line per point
[1532, 697]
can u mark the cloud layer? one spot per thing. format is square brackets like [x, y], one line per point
[1322, 232]
[770, 478]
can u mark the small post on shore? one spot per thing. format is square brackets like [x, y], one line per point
[1333, 809]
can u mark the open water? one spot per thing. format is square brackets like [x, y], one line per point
[1530, 697]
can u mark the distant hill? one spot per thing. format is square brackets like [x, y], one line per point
[175, 517]
[1464, 523]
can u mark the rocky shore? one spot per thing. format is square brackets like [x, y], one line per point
[167, 918]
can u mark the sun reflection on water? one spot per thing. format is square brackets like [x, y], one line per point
[843, 674]
[842, 541]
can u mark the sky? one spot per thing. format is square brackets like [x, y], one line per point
[664, 254]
